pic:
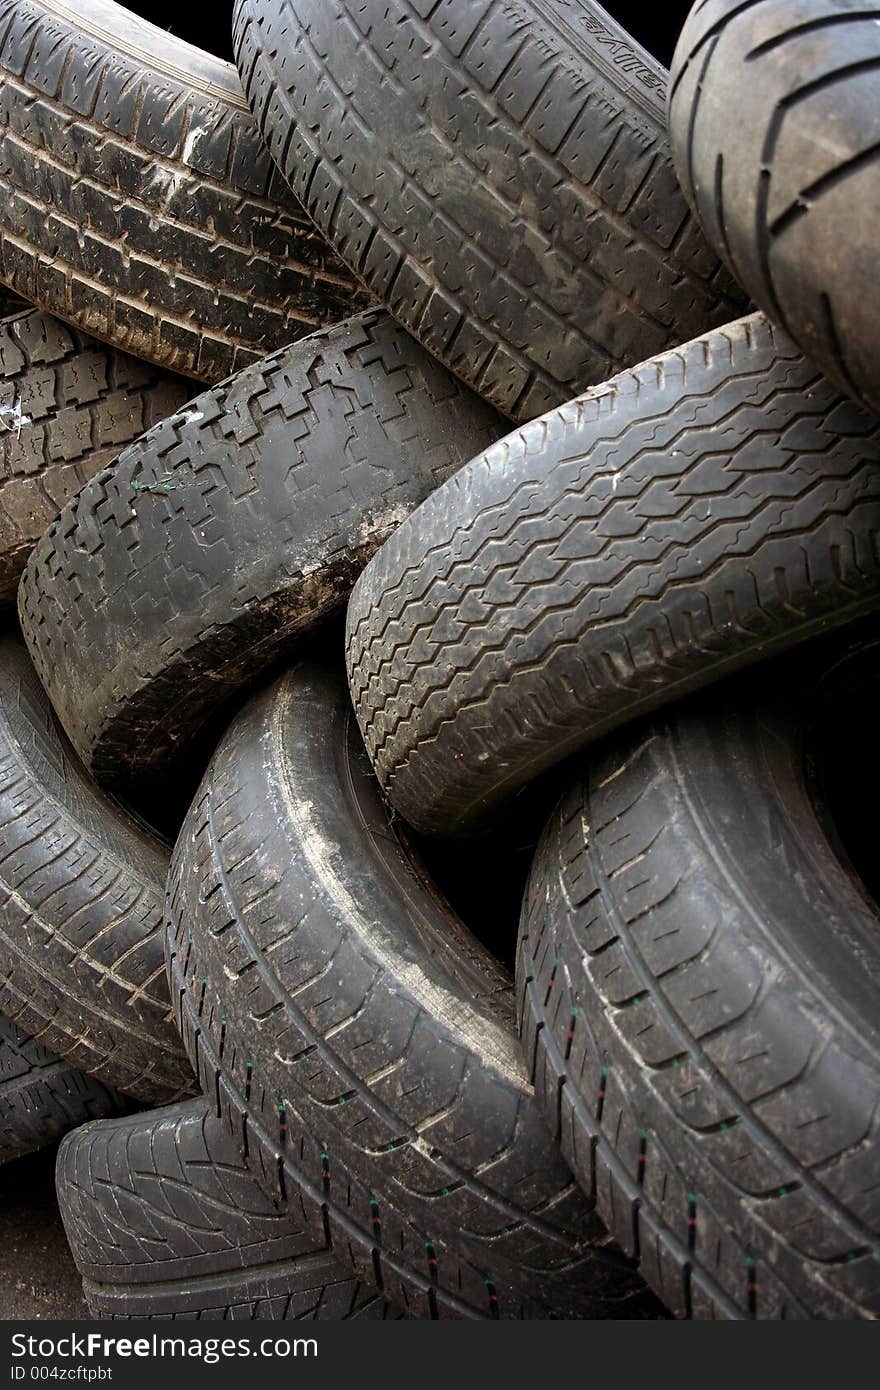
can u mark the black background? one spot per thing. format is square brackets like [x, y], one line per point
[208, 26]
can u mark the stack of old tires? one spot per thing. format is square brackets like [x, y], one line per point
[461, 280]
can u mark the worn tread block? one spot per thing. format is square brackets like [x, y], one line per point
[41, 1098]
[232, 527]
[736, 1159]
[81, 923]
[139, 203]
[68, 403]
[509, 159]
[360, 1040]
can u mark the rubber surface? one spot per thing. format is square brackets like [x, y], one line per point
[695, 514]
[775, 120]
[165, 1221]
[68, 404]
[81, 940]
[497, 172]
[41, 1098]
[233, 527]
[359, 1041]
[137, 200]
[698, 974]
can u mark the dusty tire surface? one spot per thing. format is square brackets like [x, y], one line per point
[137, 200]
[165, 1221]
[775, 122]
[41, 1098]
[687, 517]
[81, 895]
[697, 981]
[231, 528]
[357, 1038]
[68, 404]
[498, 174]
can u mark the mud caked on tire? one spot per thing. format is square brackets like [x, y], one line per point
[41, 1098]
[712, 505]
[81, 892]
[774, 115]
[697, 980]
[498, 175]
[165, 1221]
[68, 404]
[137, 200]
[233, 527]
[358, 1039]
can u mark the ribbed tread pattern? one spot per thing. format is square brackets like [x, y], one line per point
[166, 1222]
[81, 885]
[138, 201]
[714, 504]
[697, 980]
[497, 172]
[41, 1098]
[774, 112]
[68, 404]
[360, 1040]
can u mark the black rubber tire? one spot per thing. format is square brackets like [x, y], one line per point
[165, 1221]
[359, 1039]
[42, 1098]
[697, 981]
[688, 517]
[11, 303]
[232, 528]
[775, 120]
[137, 200]
[81, 894]
[68, 404]
[498, 174]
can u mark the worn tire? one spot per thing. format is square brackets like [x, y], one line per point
[230, 529]
[690, 516]
[697, 977]
[81, 893]
[42, 1098]
[165, 1221]
[775, 120]
[137, 200]
[359, 1039]
[498, 174]
[68, 404]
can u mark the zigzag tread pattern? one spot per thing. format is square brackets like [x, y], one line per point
[524, 223]
[139, 202]
[714, 504]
